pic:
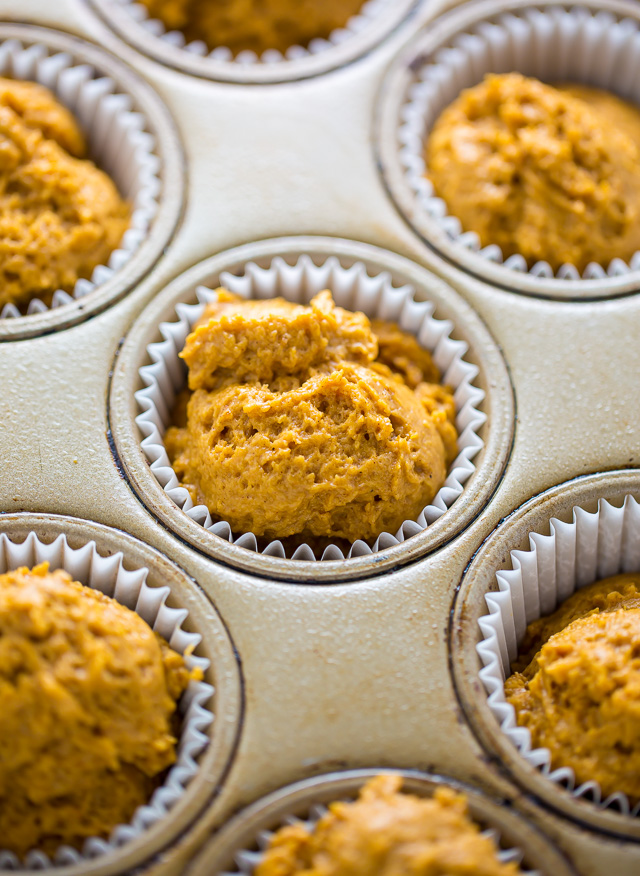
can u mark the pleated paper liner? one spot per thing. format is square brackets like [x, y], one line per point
[241, 844]
[553, 44]
[352, 289]
[248, 859]
[108, 575]
[593, 546]
[118, 143]
[357, 24]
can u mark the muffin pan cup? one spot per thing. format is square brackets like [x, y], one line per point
[375, 21]
[564, 539]
[146, 582]
[592, 43]
[354, 289]
[130, 136]
[239, 846]
[360, 277]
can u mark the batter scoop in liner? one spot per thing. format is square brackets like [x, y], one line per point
[60, 216]
[548, 172]
[310, 420]
[576, 685]
[384, 833]
[254, 25]
[88, 718]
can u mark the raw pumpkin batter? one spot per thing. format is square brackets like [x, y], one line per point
[576, 684]
[310, 420]
[552, 173]
[88, 695]
[60, 216]
[385, 833]
[256, 25]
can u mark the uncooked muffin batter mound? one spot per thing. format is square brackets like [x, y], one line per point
[552, 173]
[88, 694]
[576, 684]
[310, 420]
[256, 25]
[60, 216]
[384, 833]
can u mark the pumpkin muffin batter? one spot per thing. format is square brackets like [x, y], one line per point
[552, 173]
[576, 684]
[384, 833]
[88, 695]
[60, 216]
[310, 420]
[256, 25]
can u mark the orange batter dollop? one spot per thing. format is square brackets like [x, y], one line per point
[88, 697]
[60, 216]
[552, 173]
[310, 420]
[386, 833]
[576, 684]
[256, 25]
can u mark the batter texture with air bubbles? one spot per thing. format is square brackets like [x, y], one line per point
[551, 173]
[254, 25]
[60, 216]
[310, 420]
[385, 833]
[88, 715]
[576, 685]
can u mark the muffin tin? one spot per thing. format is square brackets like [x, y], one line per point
[377, 667]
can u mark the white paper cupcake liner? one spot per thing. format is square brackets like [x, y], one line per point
[248, 859]
[353, 289]
[109, 575]
[354, 26]
[552, 44]
[594, 546]
[117, 142]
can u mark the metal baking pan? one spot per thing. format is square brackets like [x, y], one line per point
[372, 669]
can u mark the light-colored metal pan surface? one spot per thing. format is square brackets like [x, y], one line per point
[350, 675]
